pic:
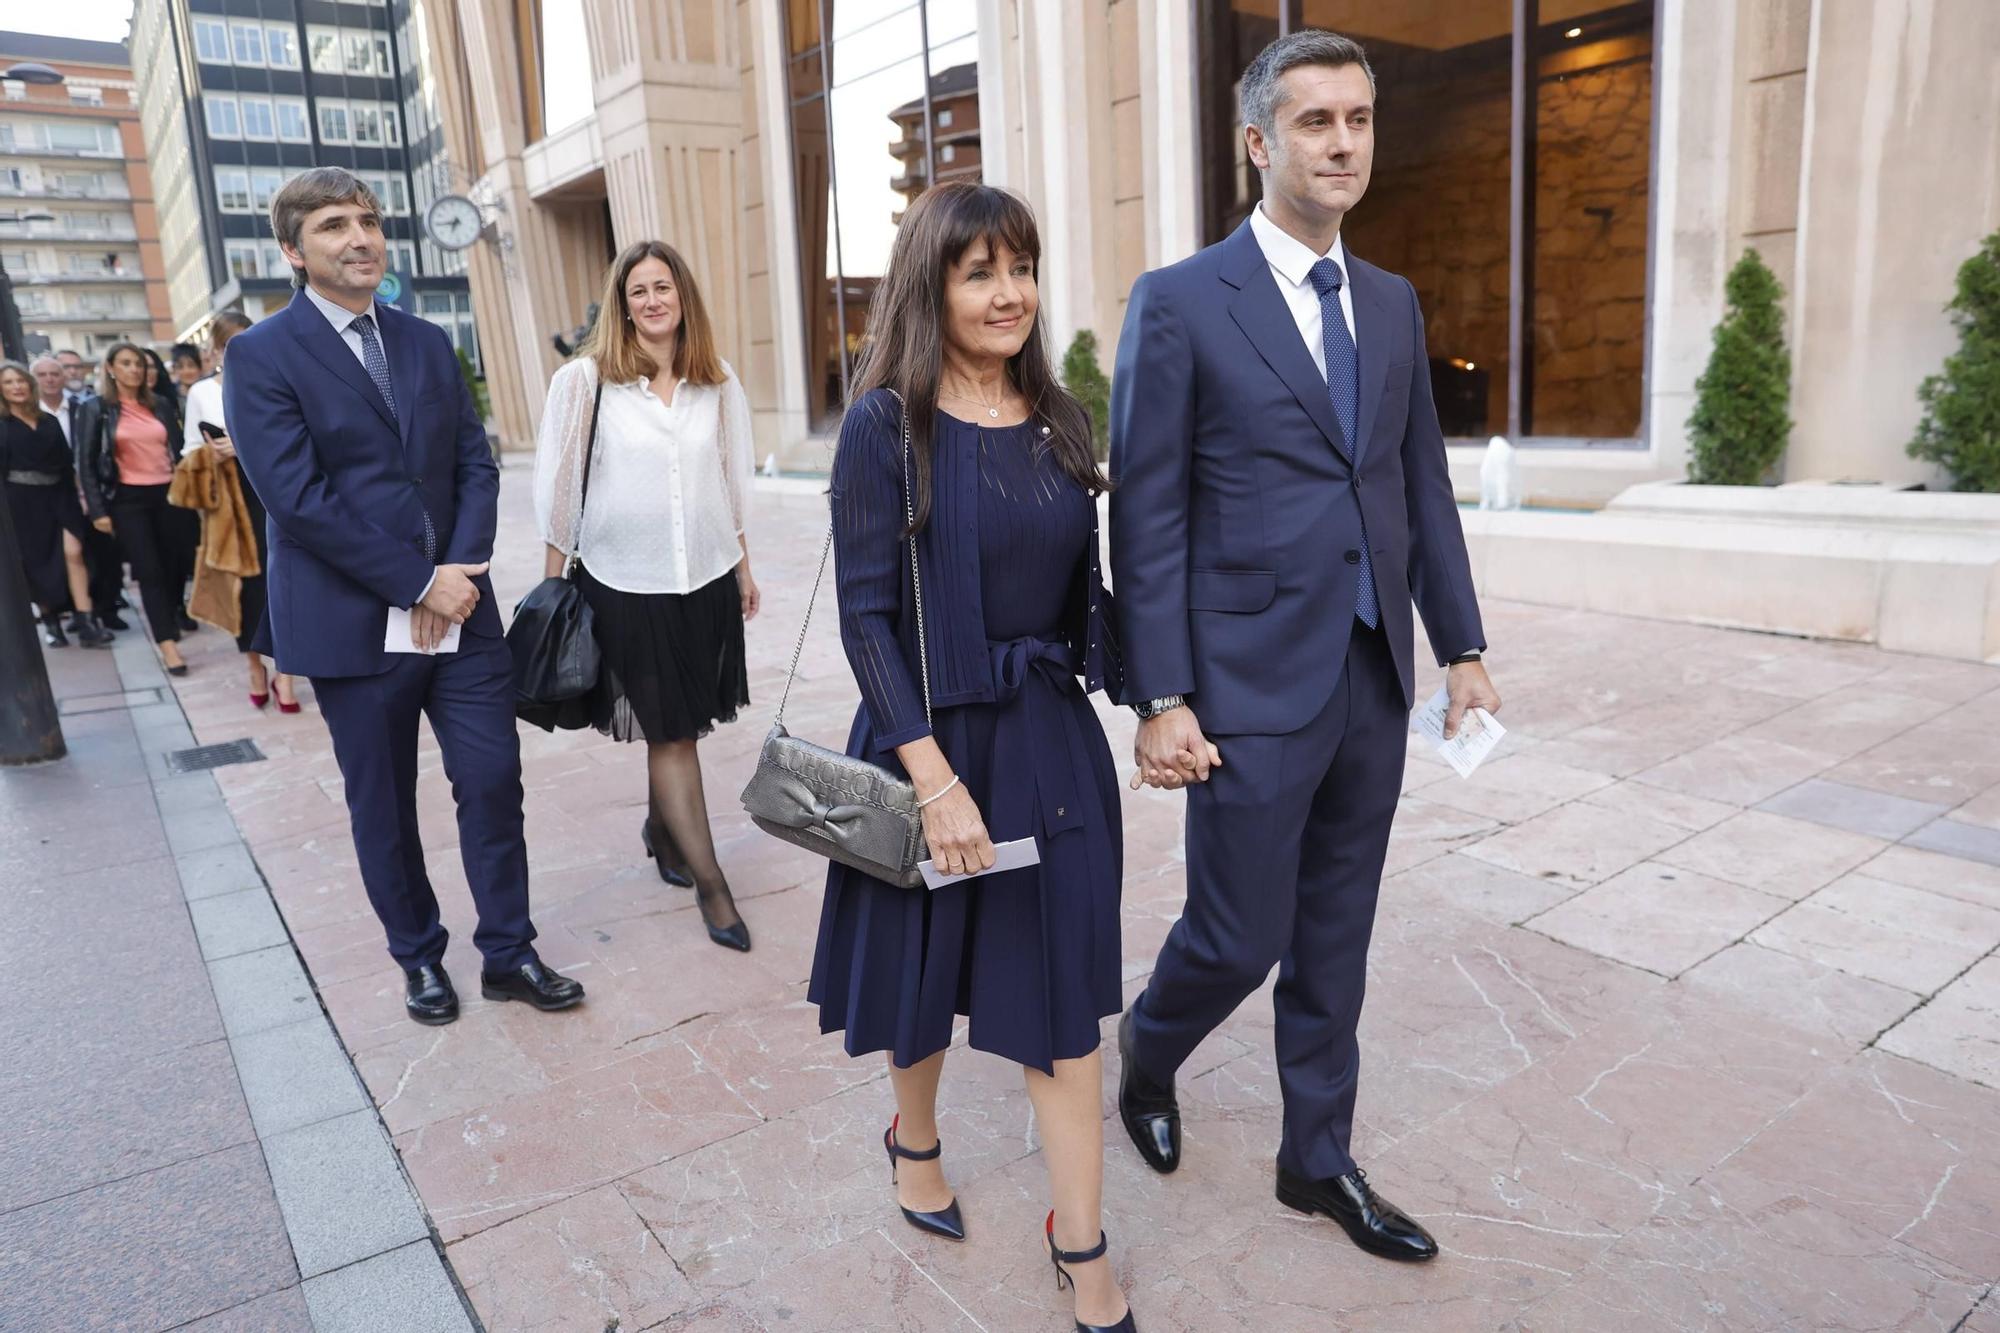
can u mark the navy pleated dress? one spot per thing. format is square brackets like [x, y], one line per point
[1015, 613]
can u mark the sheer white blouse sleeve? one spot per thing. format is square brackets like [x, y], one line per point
[559, 452]
[739, 459]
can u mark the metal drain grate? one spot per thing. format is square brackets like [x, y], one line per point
[203, 757]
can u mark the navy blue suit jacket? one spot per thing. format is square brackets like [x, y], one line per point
[1238, 503]
[347, 483]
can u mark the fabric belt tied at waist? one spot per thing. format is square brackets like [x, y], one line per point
[25, 478]
[1045, 746]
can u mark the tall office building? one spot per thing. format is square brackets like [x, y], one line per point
[77, 236]
[239, 96]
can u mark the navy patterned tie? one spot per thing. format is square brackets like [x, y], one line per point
[1343, 385]
[377, 366]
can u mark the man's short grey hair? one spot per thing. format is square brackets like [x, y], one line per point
[1261, 95]
[49, 357]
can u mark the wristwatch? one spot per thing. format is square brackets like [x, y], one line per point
[1152, 708]
[1472, 656]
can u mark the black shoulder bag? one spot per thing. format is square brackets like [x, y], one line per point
[556, 657]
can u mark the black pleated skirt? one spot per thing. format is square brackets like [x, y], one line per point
[674, 663]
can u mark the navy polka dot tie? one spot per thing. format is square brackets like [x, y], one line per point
[1343, 385]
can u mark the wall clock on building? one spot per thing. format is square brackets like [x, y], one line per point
[453, 221]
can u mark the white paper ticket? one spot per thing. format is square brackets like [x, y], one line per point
[1478, 732]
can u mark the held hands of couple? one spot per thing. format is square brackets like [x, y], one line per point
[1171, 752]
[449, 602]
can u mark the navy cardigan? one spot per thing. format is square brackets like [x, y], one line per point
[878, 623]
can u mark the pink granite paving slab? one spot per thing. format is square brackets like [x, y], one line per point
[1907, 937]
[1704, 1265]
[586, 1262]
[1739, 769]
[1577, 845]
[1959, 1030]
[1461, 883]
[1813, 997]
[1951, 876]
[1773, 854]
[476, 1170]
[1931, 1180]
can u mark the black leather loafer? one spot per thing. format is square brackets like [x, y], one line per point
[1152, 1114]
[1370, 1220]
[538, 985]
[428, 996]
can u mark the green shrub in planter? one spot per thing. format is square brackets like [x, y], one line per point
[1961, 427]
[474, 385]
[1740, 423]
[1086, 383]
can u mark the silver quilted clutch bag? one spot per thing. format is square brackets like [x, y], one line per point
[845, 809]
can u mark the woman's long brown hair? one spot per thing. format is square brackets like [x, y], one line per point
[614, 343]
[30, 411]
[903, 348]
[110, 390]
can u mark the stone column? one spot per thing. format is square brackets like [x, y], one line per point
[1899, 183]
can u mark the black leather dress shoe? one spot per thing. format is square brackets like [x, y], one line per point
[1370, 1220]
[538, 985]
[1152, 1114]
[428, 995]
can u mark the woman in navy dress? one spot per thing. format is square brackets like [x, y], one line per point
[988, 719]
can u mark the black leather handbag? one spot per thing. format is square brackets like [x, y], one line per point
[554, 646]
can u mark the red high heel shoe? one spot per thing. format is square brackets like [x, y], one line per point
[259, 701]
[284, 707]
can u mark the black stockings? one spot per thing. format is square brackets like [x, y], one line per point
[679, 805]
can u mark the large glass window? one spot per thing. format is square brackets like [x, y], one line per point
[323, 49]
[281, 43]
[257, 120]
[878, 88]
[292, 124]
[1536, 328]
[248, 43]
[222, 121]
[211, 41]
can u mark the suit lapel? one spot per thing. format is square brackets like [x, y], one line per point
[1260, 311]
[1371, 316]
[331, 351]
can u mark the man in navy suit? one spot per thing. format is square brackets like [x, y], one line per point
[361, 439]
[1282, 497]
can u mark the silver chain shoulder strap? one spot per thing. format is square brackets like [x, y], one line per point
[916, 582]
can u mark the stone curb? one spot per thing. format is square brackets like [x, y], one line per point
[366, 1251]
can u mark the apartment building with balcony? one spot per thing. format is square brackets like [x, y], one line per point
[240, 96]
[953, 138]
[78, 228]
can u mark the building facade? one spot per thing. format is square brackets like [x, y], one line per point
[1565, 182]
[242, 95]
[78, 227]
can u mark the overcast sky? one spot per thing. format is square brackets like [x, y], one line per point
[98, 20]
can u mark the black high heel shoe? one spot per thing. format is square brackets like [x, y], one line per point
[945, 1221]
[672, 873]
[1059, 1257]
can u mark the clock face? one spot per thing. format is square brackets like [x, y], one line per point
[454, 222]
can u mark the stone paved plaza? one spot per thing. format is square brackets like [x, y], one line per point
[1684, 1013]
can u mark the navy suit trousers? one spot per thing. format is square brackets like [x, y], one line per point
[469, 697]
[1285, 845]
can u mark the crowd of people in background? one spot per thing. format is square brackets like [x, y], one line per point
[90, 473]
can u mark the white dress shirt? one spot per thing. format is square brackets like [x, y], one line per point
[1291, 262]
[343, 319]
[204, 403]
[61, 413]
[669, 479]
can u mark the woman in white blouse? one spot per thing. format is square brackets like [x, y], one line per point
[663, 559]
[204, 408]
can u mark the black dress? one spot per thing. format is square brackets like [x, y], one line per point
[1030, 956]
[41, 496]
